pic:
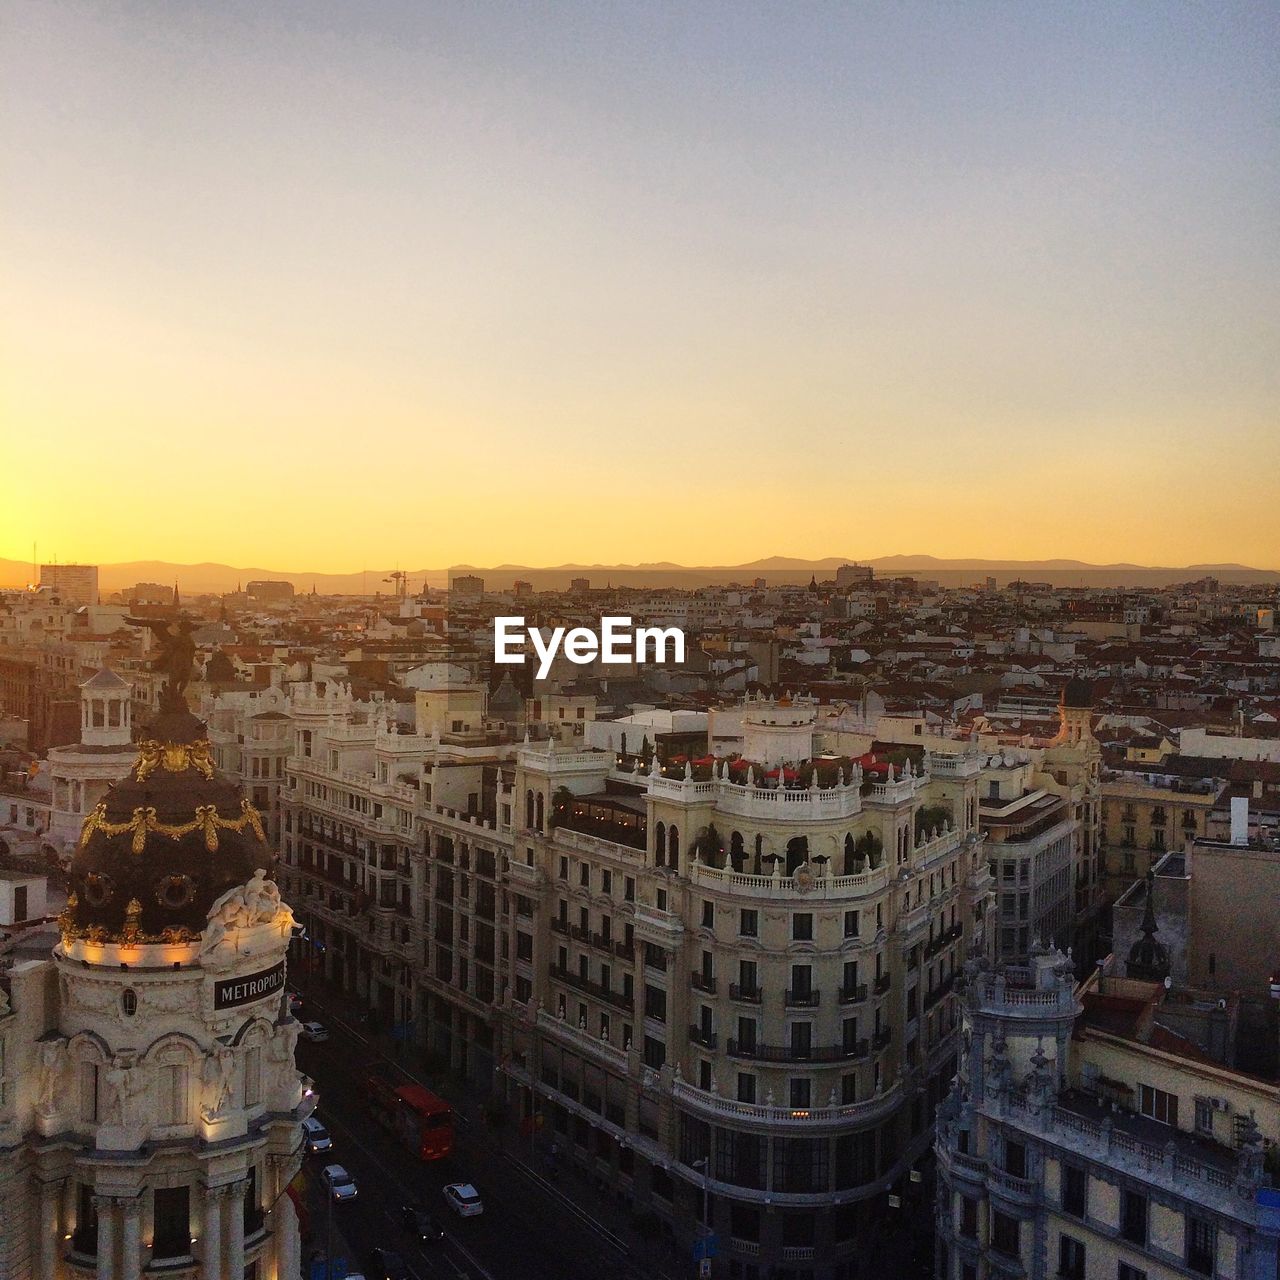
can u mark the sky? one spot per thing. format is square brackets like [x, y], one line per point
[324, 286]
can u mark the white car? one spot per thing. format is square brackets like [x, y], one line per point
[316, 1136]
[314, 1031]
[342, 1186]
[463, 1199]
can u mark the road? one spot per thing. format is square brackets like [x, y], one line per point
[529, 1230]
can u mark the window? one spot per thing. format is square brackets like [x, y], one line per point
[850, 924]
[747, 1034]
[1133, 1218]
[85, 1237]
[172, 1209]
[172, 1088]
[606, 881]
[1070, 1258]
[1074, 1190]
[968, 1218]
[1202, 1245]
[1158, 1105]
[746, 1087]
[1004, 1234]
[629, 889]
[253, 1076]
[749, 924]
[801, 1092]
[1126, 1271]
[708, 914]
[655, 1003]
[1204, 1116]
[1015, 1159]
[655, 1053]
[802, 926]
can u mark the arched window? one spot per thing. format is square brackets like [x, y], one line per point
[797, 853]
[736, 850]
[541, 806]
[528, 808]
[660, 844]
[850, 853]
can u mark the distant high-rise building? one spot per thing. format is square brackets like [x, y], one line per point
[522, 588]
[853, 575]
[269, 590]
[579, 584]
[74, 583]
[467, 584]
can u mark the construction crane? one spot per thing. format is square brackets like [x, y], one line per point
[401, 579]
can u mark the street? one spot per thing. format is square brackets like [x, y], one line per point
[529, 1230]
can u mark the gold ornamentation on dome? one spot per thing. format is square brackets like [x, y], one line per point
[132, 931]
[174, 757]
[144, 821]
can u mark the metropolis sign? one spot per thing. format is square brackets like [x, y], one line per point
[230, 992]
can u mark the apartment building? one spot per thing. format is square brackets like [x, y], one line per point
[1147, 813]
[1095, 1134]
[731, 979]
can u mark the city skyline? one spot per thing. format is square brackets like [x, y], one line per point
[693, 285]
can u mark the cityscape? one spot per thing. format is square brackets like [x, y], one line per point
[899, 929]
[639, 641]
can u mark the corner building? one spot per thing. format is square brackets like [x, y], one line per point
[149, 1107]
[732, 979]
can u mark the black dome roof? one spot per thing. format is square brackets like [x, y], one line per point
[164, 843]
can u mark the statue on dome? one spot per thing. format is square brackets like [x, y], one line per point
[176, 658]
[257, 901]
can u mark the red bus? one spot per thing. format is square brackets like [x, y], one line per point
[422, 1122]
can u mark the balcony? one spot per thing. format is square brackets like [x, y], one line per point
[805, 998]
[748, 995]
[716, 1106]
[579, 983]
[704, 982]
[796, 1053]
[936, 993]
[706, 1038]
[624, 950]
[853, 995]
[883, 983]
[881, 1038]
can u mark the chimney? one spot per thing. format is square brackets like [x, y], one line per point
[1240, 820]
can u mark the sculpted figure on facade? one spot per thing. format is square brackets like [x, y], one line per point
[216, 1076]
[53, 1058]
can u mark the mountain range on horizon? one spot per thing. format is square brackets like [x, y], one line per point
[210, 577]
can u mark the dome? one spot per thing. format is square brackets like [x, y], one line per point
[1077, 692]
[165, 842]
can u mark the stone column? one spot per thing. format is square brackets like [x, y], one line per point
[288, 1244]
[50, 1228]
[105, 1206]
[131, 1238]
[235, 1231]
[211, 1239]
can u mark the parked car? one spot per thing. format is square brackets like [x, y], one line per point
[314, 1031]
[463, 1199]
[420, 1224]
[315, 1136]
[295, 1003]
[386, 1264]
[342, 1186]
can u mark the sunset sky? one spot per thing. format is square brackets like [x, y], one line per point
[322, 286]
